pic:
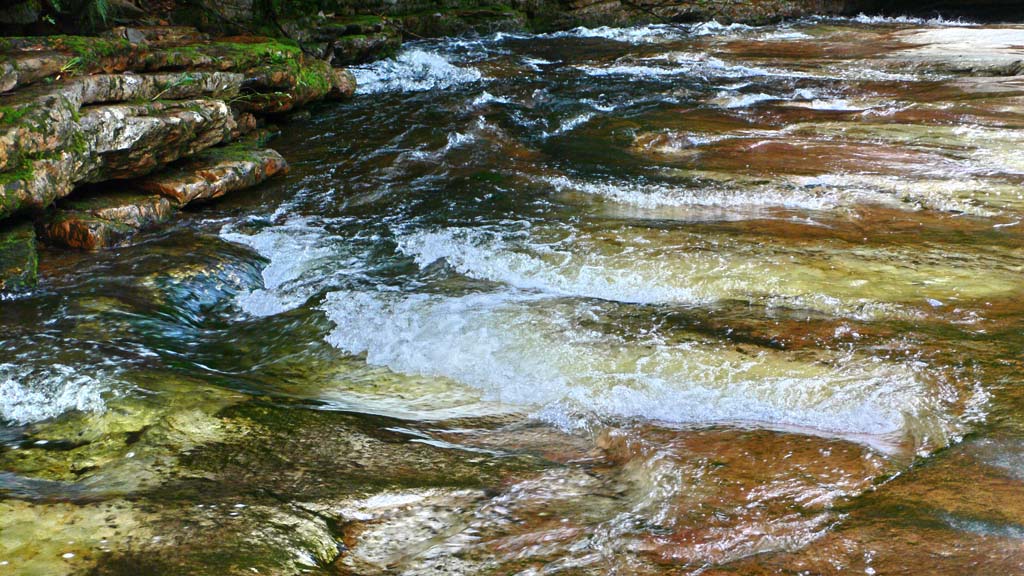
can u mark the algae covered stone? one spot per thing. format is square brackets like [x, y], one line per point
[18, 257]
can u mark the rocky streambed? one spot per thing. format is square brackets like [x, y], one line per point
[664, 299]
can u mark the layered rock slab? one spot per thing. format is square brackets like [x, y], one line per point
[52, 144]
[109, 219]
[77, 129]
[105, 221]
[214, 173]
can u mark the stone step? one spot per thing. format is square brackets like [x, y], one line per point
[214, 173]
[110, 218]
[105, 220]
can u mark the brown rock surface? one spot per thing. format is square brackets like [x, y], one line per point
[104, 221]
[214, 173]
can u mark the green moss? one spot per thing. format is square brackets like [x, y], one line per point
[78, 143]
[250, 55]
[315, 76]
[22, 172]
[92, 50]
[10, 115]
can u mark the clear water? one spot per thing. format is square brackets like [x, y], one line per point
[746, 299]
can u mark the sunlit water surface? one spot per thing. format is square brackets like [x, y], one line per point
[751, 297]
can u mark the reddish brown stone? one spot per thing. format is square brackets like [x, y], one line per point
[215, 173]
[104, 221]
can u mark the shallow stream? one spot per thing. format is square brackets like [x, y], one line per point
[661, 300]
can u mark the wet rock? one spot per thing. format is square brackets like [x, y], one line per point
[64, 538]
[23, 69]
[954, 514]
[485, 19]
[336, 455]
[278, 90]
[18, 258]
[30, 59]
[90, 128]
[216, 172]
[106, 142]
[345, 40]
[359, 48]
[129, 449]
[132, 443]
[977, 51]
[343, 84]
[36, 123]
[104, 221]
[157, 34]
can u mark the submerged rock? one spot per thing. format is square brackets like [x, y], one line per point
[18, 258]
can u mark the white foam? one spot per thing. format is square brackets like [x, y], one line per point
[683, 63]
[631, 70]
[413, 70]
[727, 100]
[836, 104]
[715, 28]
[962, 195]
[875, 19]
[497, 257]
[644, 265]
[785, 35]
[570, 124]
[536, 63]
[533, 351]
[653, 33]
[651, 196]
[33, 394]
[294, 248]
[649, 34]
[487, 98]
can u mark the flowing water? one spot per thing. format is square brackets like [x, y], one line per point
[658, 300]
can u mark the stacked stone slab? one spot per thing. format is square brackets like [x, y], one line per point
[141, 116]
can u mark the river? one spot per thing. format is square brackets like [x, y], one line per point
[693, 299]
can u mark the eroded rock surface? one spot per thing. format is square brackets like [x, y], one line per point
[85, 110]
